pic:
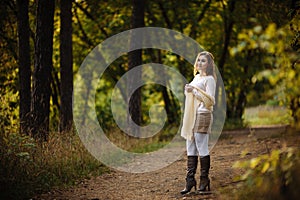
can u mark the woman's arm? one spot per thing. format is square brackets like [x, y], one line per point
[197, 94]
[211, 88]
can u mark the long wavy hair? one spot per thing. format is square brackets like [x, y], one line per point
[210, 70]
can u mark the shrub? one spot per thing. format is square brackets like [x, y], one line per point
[27, 168]
[273, 176]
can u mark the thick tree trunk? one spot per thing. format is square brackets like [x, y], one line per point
[24, 64]
[66, 66]
[42, 70]
[135, 59]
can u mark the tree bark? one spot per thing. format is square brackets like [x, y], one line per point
[24, 64]
[228, 27]
[42, 70]
[66, 66]
[135, 59]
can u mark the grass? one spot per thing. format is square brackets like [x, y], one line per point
[266, 115]
[28, 168]
[232, 124]
[142, 145]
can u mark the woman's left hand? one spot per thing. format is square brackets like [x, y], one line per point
[188, 88]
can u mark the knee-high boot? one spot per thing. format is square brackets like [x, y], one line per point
[204, 171]
[192, 163]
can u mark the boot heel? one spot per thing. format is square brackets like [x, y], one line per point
[189, 186]
[190, 176]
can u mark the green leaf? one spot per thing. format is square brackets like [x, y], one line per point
[23, 154]
[265, 167]
[246, 175]
[254, 162]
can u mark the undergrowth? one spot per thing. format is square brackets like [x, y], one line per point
[273, 176]
[267, 115]
[143, 145]
[28, 168]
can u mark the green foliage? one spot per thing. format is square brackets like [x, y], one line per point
[154, 146]
[28, 168]
[17, 166]
[259, 65]
[280, 62]
[267, 115]
[142, 145]
[271, 176]
[8, 111]
[234, 123]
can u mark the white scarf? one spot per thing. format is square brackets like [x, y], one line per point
[190, 111]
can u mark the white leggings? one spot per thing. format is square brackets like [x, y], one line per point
[198, 146]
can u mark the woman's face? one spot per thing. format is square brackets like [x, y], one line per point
[202, 63]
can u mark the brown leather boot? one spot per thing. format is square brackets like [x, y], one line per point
[192, 163]
[204, 180]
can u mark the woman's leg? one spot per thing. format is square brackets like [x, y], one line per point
[192, 162]
[191, 147]
[201, 143]
[201, 140]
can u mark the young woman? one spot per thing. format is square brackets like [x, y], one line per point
[197, 120]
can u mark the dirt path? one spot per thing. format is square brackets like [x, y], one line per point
[169, 181]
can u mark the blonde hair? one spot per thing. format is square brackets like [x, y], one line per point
[211, 64]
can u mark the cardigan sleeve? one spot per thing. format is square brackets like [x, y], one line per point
[210, 88]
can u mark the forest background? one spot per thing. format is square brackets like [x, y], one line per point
[43, 43]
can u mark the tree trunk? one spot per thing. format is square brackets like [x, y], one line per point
[42, 70]
[240, 106]
[66, 66]
[294, 107]
[135, 59]
[24, 64]
[245, 88]
[228, 27]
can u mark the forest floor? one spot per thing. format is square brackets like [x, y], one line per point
[169, 181]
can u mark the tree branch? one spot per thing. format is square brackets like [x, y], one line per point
[165, 15]
[193, 32]
[86, 12]
[85, 37]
